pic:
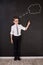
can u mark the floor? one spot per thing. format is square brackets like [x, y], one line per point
[21, 62]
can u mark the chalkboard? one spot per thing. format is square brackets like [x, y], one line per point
[32, 40]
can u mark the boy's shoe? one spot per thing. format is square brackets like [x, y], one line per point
[19, 58]
[15, 59]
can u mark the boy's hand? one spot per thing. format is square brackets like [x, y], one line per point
[28, 23]
[11, 41]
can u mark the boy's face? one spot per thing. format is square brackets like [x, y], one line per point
[16, 21]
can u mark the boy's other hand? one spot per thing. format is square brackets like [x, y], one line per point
[11, 41]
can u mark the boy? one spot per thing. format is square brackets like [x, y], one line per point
[15, 36]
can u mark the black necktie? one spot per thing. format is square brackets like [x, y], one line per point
[17, 30]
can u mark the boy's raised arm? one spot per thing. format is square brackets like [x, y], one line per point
[27, 25]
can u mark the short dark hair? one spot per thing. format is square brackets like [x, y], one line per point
[15, 17]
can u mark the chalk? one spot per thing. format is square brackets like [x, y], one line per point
[29, 11]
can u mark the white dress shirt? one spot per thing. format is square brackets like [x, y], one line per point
[14, 30]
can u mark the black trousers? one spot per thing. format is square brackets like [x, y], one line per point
[17, 46]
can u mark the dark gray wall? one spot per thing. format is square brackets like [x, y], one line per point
[32, 39]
